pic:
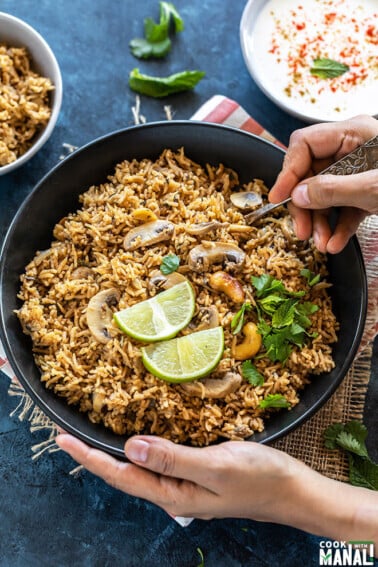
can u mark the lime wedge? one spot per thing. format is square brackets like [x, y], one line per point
[160, 317]
[185, 358]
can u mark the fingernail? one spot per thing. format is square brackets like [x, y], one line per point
[300, 196]
[137, 450]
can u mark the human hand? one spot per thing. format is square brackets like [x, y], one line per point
[233, 479]
[310, 151]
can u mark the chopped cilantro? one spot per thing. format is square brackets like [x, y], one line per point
[238, 319]
[288, 317]
[169, 264]
[274, 401]
[250, 373]
[350, 437]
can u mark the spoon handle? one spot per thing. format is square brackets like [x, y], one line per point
[363, 158]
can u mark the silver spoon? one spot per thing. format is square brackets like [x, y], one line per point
[363, 158]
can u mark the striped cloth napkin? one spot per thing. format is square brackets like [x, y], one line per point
[222, 110]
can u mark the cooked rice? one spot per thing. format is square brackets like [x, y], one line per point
[24, 103]
[109, 381]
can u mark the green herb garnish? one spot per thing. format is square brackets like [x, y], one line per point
[328, 68]
[283, 317]
[238, 319]
[163, 86]
[156, 41]
[250, 373]
[169, 264]
[311, 278]
[350, 437]
[274, 401]
[200, 553]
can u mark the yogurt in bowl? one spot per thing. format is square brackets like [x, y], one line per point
[317, 59]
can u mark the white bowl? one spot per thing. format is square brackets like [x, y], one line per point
[17, 33]
[295, 24]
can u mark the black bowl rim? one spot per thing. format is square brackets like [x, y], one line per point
[118, 451]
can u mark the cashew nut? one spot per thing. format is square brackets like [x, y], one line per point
[143, 215]
[251, 344]
[222, 281]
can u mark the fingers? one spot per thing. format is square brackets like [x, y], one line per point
[312, 148]
[357, 190]
[347, 225]
[172, 494]
[169, 459]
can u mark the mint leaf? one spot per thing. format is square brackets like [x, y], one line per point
[274, 401]
[163, 86]
[277, 347]
[168, 10]
[169, 264]
[156, 42]
[250, 373]
[238, 319]
[143, 49]
[328, 68]
[311, 278]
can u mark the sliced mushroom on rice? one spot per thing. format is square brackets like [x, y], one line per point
[158, 280]
[203, 256]
[148, 233]
[100, 314]
[245, 200]
[228, 383]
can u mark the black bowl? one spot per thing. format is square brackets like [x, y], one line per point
[57, 194]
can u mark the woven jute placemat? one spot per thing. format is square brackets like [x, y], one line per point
[346, 404]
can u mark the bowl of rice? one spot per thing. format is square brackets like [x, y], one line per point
[126, 219]
[31, 92]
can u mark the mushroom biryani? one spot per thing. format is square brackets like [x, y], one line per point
[171, 235]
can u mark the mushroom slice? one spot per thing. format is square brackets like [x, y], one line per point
[158, 280]
[206, 318]
[81, 273]
[100, 315]
[203, 228]
[213, 387]
[245, 200]
[201, 257]
[148, 233]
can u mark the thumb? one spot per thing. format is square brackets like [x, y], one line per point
[169, 459]
[323, 191]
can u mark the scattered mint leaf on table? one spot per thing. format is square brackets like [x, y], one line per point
[328, 68]
[156, 42]
[163, 86]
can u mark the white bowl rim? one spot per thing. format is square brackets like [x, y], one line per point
[58, 95]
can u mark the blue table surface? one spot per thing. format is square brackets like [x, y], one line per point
[47, 517]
